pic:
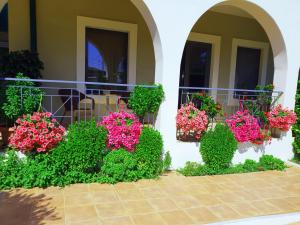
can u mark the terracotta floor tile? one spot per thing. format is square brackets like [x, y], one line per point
[101, 187]
[148, 219]
[47, 215]
[177, 217]
[104, 196]
[131, 194]
[137, 207]
[224, 212]
[111, 209]
[207, 199]
[125, 220]
[153, 192]
[283, 204]
[79, 214]
[76, 189]
[186, 201]
[244, 209]
[87, 222]
[84, 198]
[265, 208]
[125, 186]
[229, 197]
[163, 204]
[202, 215]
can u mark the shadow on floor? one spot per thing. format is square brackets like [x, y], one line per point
[18, 207]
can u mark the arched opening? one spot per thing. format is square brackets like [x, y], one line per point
[4, 30]
[232, 58]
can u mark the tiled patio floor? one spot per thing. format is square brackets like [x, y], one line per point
[173, 199]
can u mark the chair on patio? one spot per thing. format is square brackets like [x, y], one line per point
[77, 103]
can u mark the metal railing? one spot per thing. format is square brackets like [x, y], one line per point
[71, 101]
[232, 100]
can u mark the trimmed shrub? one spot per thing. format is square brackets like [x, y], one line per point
[250, 165]
[146, 100]
[167, 162]
[83, 148]
[269, 162]
[119, 165]
[218, 147]
[148, 153]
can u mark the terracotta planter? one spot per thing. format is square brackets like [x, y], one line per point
[5, 134]
[276, 133]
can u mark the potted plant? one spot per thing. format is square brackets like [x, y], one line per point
[204, 102]
[146, 100]
[280, 120]
[21, 97]
[191, 123]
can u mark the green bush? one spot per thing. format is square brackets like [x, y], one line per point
[167, 162]
[119, 165]
[250, 165]
[269, 162]
[149, 153]
[296, 126]
[81, 154]
[146, 100]
[218, 147]
[23, 100]
[196, 169]
[10, 170]
[24, 61]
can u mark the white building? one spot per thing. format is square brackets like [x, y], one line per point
[243, 43]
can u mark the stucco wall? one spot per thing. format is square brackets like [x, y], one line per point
[56, 30]
[229, 27]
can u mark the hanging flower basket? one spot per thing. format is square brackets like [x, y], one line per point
[191, 123]
[280, 120]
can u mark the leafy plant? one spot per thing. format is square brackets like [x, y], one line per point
[218, 147]
[22, 97]
[119, 165]
[250, 165]
[296, 126]
[265, 163]
[206, 103]
[146, 100]
[167, 162]
[269, 162]
[25, 62]
[148, 153]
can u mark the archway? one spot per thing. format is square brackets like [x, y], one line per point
[4, 30]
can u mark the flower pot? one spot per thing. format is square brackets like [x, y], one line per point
[276, 132]
[6, 132]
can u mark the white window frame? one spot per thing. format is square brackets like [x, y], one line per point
[86, 22]
[215, 41]
[263, 65]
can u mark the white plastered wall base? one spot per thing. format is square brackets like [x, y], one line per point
[279, 147]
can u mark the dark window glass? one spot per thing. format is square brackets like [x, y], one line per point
[247, 68]
[106, 56]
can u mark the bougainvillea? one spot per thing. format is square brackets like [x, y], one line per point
[281, 118]
[38, 132]
[191, 122]
[124, 130]
[244, 126]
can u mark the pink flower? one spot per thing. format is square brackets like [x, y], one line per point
[124, 130]
[190, 121]
[281, 118]
[36, 133]
[244, 126]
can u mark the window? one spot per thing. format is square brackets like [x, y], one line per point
[106, 56]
